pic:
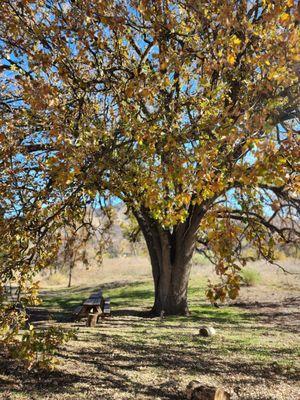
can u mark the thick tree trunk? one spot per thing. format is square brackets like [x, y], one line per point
[171, 294]
[170, 253]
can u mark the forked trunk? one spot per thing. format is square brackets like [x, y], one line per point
[170, 253]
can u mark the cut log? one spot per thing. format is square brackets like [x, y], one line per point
[191, 387]
[92, 319]
[207, 331]
[197, 391]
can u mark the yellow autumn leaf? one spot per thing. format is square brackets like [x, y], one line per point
[236, 41]
[285, 17]
[231, 59]
[296, 57]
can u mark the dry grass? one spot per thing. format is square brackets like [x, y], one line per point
[254, 353]
[125, 269]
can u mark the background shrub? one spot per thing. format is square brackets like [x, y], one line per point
[250, 277]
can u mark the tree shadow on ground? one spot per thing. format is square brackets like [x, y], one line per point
[37, 384]
[35, 381]
[285, 316]
[110, 370]
[287, 302]
[131, 313]
[111, 362]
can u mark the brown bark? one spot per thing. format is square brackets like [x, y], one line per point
[70, 275]
[170, 254]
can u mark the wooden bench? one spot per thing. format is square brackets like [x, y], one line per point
[106, 307]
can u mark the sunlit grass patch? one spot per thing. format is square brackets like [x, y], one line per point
[237, 330]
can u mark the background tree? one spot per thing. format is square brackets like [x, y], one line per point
[184, 110]
[132, 232]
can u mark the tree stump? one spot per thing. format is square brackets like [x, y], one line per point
[196, 391]
[207, 331]
[92, 319]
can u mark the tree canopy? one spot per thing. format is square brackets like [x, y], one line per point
[187, 111]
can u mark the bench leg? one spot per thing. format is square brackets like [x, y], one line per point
[92, 319]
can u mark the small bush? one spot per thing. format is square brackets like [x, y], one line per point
[250, 277]
[39, 347]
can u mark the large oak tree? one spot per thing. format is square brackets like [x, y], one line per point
[185, 110]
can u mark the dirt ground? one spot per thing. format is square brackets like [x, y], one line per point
[254, 354]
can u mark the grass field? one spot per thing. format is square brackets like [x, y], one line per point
[255, 353]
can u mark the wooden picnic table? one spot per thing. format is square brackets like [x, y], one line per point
[93, 304]
[93, 308]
